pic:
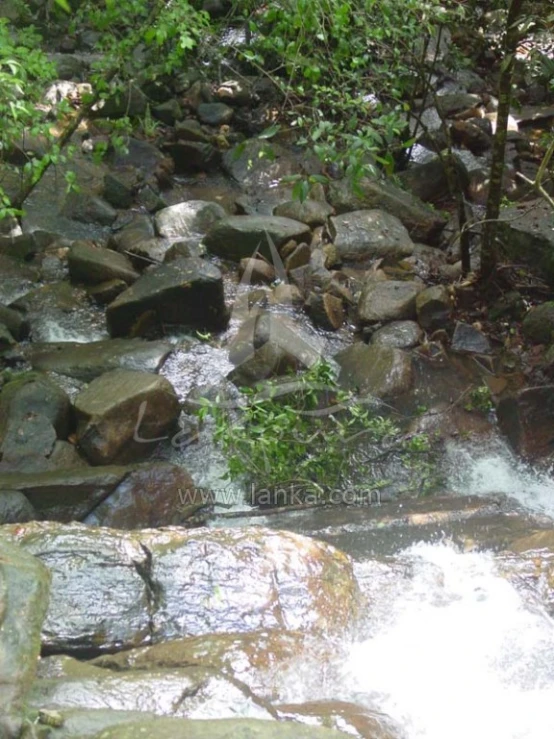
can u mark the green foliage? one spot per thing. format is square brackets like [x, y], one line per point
[352, 64]
[480, 399]
[305, 431]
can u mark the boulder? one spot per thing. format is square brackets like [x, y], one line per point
[256, 271]
[138, 229]
[433, 306]
[373, 370]
[388, 300]
[114, 590]
[86, 361]
[538, 324]
[237, 237]
[123, 414]
[469, 340]
[527, 236]
[299, 257]
[238, 728]
[14, 321]
[270, 344]
[193, 156]
[186, 292]
[131, 497]
[15, 507]
[24, 589]
[356, 720]
[325, 310]
[398, 335]
[423, 223]
[426, 180]
[257, 164]
[214, 114]
[363, 235]
[88, 209]
[187, 219]
[527, 419]
[91, 264]
[311, 212]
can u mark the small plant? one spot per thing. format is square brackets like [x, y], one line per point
[480, 399]
[305, 433]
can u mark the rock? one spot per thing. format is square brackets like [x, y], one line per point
[527, 236]
[193, 156]
[256, 659]
[475, 135]
[355, 720]
[362, 235]
[129, 589]
[150, 251]
[423, 223]
[168, 112]
[527, 419]
[92, 265]
[234, 92]
[86, 361]
[120, 186]
[239, 728]
[286, 294]
[433, 306]
[106, 292]
[15, 508]
[156, 494]
[88, 209]
[77, 494]
[311, 212]
[325, 310]
[187, 692]
[129, 101]
[237, 237]
[138, 229]
[186, 292]
[32, 396]
[270, 344]
[455, 102]
[123, 413]
[257, 164]
[299, 257]
[256, 271]
[426, 180]
[398, 335]
[27, 444]
[538, 324]
[188, 248]
[214, 114]
[187, 219]
[388, 300]
[191, 130]
[6, 339]
[14, 321]
[378, 371]
[24, 589]
[469, 340]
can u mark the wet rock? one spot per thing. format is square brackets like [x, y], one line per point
[120, 186]
[433, 306]
[527, 236]
[15, 507]
[14, 321]
[187, 219]
[150, 251]
[270, 344]
[374, 370]
[88, 209]
[157, 494]
[423, 223]
[214, 114]
[33, 396]
[256, 271]
[363, 235]
[311, 212]
[170, 728]
[105, 292]
[257, 164]
[237, 237]
[299, 257]
[24, 589]
[475, 135]
[122, 414]
[527, 419]
[234, 92]
[186, 292]
[6, 339]
[187, 692]
[356, 720]
[27, 444]
[398, 335]
[256, 659]
[188, 248]
[168, 112]
[87, 361]
[388, 300]
[455, 102]
[469, 340]
[92, 265]
[426, 180]
[138, 229]
[193, 156]
[191, 130]
[538, 324]
[130, 101]
[129, 588]
[286, 294]
[325, 310]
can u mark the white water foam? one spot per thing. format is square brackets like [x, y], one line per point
[456, 651]
[491, 468]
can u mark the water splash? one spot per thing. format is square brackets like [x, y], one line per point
[492, 468]
[456, 651]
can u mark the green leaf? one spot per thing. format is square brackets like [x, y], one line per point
[270, 132]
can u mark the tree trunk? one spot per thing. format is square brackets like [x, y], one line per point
[489, 252]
